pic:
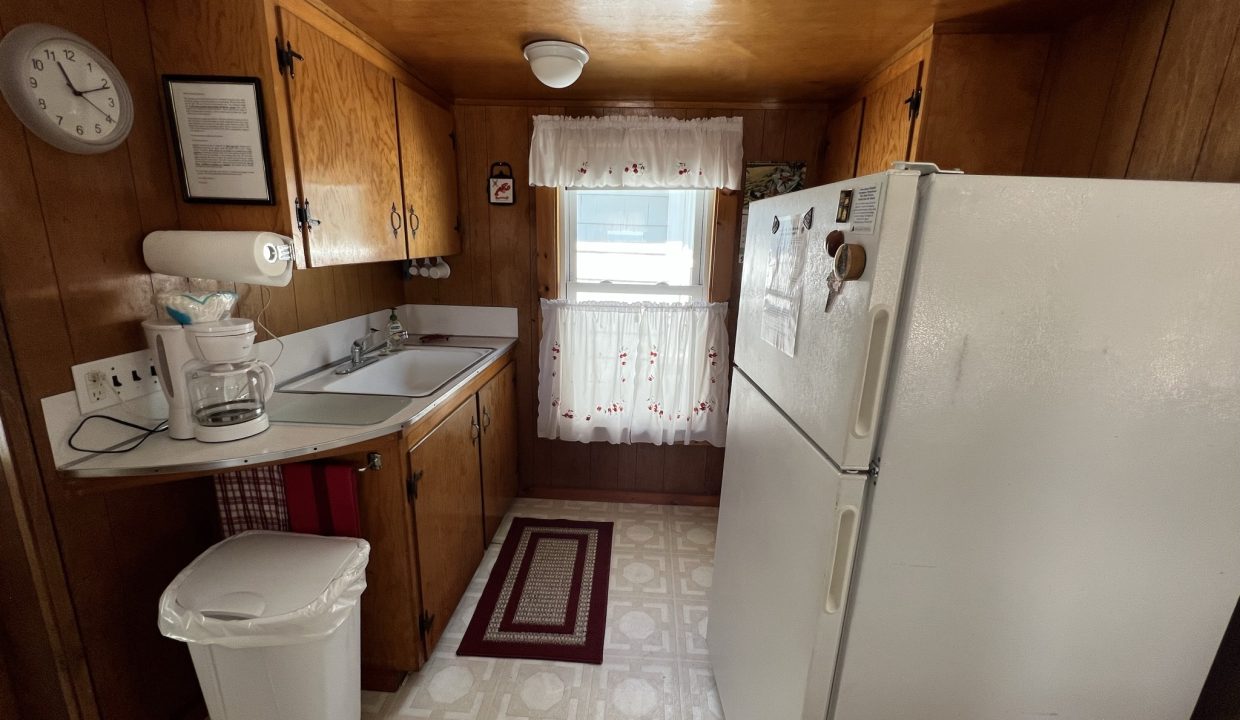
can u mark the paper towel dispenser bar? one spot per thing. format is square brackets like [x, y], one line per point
[255, 258]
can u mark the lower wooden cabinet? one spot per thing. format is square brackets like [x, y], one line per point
[447, 513]
[429, 512]
[497, 404]
[391, 603]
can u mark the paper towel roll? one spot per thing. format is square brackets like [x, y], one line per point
[257, 258]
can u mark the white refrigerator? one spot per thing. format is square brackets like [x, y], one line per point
[1000, 477]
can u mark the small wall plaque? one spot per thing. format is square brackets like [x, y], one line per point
[501, 186]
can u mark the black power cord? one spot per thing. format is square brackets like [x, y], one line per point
[147, 432]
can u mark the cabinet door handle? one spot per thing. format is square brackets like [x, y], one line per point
[474, 430]
[415, 222]
[486, 419]
[398, 220]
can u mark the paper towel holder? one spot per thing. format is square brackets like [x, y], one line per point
[254, 258]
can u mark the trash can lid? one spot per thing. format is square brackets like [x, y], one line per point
[262, 574]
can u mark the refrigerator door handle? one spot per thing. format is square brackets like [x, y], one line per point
[846, 524]
[876, 358]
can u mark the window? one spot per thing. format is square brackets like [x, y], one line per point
[637, 244]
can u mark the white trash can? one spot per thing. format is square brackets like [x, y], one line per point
[272, 624]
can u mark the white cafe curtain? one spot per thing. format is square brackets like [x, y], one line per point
[633, 372]
[636, 152]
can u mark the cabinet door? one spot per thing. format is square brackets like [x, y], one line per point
[447, 515]
[843, 139]
[497, 402]
[390, 606]
[342, 112]
[887, 128]
[428, 168]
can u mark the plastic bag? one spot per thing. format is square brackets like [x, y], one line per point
[314, 621]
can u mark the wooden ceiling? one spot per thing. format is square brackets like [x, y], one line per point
[682, 50]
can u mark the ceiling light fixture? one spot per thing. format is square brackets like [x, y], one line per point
[556, 63]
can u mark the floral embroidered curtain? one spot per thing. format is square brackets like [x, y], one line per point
[636, 152]
[633, 372]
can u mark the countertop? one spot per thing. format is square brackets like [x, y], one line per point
[161, 455]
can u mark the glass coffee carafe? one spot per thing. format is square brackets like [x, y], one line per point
[226, 387]
[228, 400]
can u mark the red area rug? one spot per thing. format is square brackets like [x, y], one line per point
[546, 598]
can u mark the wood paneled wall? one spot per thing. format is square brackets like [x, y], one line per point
[498, 267]
[73, 288]
[1149, 89]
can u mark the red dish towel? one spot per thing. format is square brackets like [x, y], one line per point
[322, 499]
[251, 499]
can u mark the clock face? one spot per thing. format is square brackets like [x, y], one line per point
[70, 86]
[64, 89]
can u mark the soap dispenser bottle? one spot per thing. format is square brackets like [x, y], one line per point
[396, 333]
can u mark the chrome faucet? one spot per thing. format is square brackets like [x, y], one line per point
[360, 349]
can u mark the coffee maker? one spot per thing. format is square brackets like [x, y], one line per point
[215, 388]
[226, 387]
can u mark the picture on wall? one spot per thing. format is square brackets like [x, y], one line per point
[766, 179]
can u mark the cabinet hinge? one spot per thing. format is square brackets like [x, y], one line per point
[426, 621]
[457, 227]
[874, 469]
[452, 135]
[914, 104]
[304, 219]
[411, 484]
[286, 56]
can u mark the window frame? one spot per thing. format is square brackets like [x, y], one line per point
[707, 209]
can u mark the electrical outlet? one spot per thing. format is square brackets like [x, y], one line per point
[108, 382]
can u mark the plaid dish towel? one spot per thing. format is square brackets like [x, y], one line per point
[251, 500]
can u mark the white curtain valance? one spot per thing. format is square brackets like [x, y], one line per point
[633, 372]
[627, 151]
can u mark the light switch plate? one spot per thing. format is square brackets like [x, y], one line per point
[104, 383]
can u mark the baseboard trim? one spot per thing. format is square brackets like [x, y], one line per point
[547, 492]
[382, 679]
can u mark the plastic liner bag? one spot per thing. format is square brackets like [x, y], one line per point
[199, 607]
[192, 308]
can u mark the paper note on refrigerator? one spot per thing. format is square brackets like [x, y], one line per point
[785, 267]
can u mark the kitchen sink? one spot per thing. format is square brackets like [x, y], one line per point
[417, 371]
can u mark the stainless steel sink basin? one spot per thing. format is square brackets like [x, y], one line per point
[418, 371]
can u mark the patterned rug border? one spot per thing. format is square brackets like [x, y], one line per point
[474, 642]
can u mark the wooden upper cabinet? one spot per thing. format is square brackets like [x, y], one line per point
[497, 403]
[447, 515]
[843, 141]
[428, 169]
[342, 113]
[887, 123]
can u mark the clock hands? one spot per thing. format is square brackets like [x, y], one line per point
[82, 93]
[67, 80]
[105, 112]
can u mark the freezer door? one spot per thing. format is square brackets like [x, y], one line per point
[1055, 527]
[832, 386]
[788, 523]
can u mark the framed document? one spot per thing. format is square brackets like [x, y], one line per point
[221, 139]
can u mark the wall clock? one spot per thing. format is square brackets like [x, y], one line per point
[64, 89]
